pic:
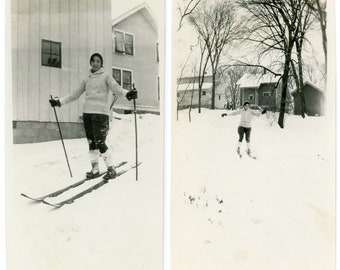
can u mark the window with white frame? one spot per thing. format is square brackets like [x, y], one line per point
[123, 77]
[124, 43]
[117, 75]
[266, 94]
[127, 80]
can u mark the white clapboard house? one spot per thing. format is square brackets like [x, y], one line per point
[135, 57]
[52, 42]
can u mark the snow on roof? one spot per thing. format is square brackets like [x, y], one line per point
[144, 9]
[191, 86]
[312, 85]
[255, 80]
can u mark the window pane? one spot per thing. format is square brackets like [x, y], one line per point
[55, 48]
[51, 53]
[128, 38]
[54, 61]
[129, 49]
[128, 44]
[119, 42]
[127, 80]
[116, 74]
[44, 59]
[45, 47]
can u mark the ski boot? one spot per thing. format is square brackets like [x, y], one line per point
[110, 174]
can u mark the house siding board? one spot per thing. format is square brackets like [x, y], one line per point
[91, 27]
[64, 111]
[33, 60]
[14, 40]
[99, 27]
[44, 82]
[268, 101]
[246, 93]
[314, 101]
[23, 30]
[107, 33]
[143, 63]
[54, 83]
[83, 57]
[74, 58]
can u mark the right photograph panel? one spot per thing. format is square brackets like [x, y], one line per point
[253, 176]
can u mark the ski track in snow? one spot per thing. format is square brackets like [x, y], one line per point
[118, 226]
[276, 212]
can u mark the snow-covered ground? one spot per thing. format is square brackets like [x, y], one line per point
[276, 212]
[118, 226]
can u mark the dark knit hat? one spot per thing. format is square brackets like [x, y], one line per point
[245, 103]
[99, 56]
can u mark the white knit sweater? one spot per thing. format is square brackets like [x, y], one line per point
[97, 87]
[246, 116]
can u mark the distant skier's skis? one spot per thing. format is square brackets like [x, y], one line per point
[60, 191]
[239, 153]
[90, 189]
[251, 155]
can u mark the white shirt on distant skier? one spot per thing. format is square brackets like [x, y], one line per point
[247, 115]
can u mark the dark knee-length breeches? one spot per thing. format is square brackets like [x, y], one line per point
[96, 129]
[242, 131]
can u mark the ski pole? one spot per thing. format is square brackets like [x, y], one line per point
[61, 136]
[136, 141]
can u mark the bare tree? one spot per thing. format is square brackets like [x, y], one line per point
[319, 10]
[231, 77]
[302, 27]
[275, 25]
[218, 26]
[203, 62]
[185, 9]
[180, 98]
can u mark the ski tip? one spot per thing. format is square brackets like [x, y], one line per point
[51, 204]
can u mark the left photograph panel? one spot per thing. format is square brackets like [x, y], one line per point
[84, 144]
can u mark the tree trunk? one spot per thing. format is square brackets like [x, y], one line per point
[199, 99]
[301, 91]
[213, 90]
[324, 44]
[284, 88]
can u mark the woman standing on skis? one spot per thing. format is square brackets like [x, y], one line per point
[97, 87]
[244, 127]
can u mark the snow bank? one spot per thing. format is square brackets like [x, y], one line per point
[276, 212]
[118, 226]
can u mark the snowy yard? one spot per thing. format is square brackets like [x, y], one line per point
[118, 226]
[276, 212]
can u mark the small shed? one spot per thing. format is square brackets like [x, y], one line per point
[315, 99]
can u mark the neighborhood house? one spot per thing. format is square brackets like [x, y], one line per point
[136, 58]
[52, 42]
[260, 89]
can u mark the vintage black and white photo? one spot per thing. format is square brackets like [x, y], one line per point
[84, 184]
[253, 135]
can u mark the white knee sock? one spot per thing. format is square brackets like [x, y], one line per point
[107, 157]
[94, 158]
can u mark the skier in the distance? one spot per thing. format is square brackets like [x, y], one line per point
[244, 127]
[97, 87]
